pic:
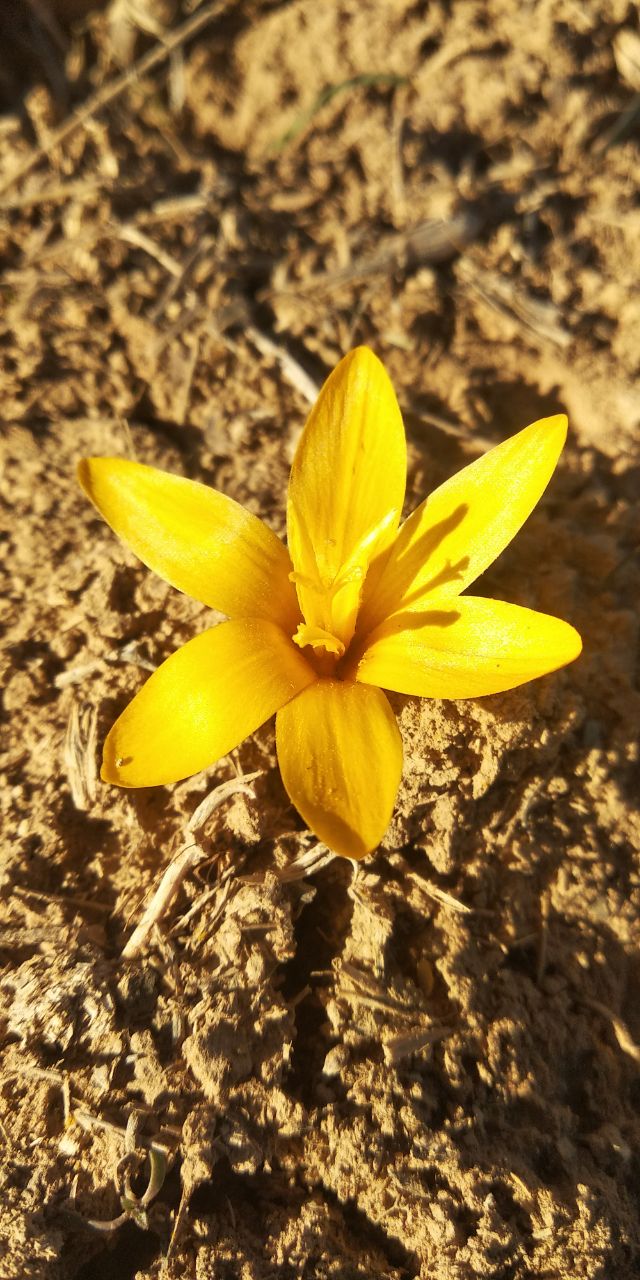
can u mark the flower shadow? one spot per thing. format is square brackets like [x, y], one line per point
[393, 573]
[411, 620]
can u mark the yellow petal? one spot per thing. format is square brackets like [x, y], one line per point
[461, 528]
[346, 490]
[204, 700]
[196, 538]
[340, 756]
[465, 648]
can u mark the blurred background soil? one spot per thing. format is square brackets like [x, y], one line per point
[432, 1071]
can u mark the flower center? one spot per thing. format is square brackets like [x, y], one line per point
[330, 609]
[330, 599]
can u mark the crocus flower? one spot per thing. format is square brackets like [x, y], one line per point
[358, 603]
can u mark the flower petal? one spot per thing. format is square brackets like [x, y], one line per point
[194, 537]
[346, 489]
[465, 648]
[340, 756]
[462, 527]
[204, 700]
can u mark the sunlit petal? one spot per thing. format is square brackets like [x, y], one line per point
[204, 700]
[346, 490]
[466, 647]
[196, 538]
[463, 526]
[340, 756]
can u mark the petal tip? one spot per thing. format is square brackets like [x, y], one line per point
[88, 474]
[83, 474]
[559, 422]
[108, 773]
[574, 643]
[363, 355]
[364, 360]
[359, 362]
[109, 769]
[114, 765]
[340, 755]
[569, 643]
[557, 425]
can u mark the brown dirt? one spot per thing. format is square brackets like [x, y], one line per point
[433, 1071]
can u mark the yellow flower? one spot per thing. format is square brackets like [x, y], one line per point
[357, 604]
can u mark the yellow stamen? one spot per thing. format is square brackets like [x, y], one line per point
[330, 604]
[318, 638]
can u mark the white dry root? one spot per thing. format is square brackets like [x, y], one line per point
[185, 860]
[306, 864]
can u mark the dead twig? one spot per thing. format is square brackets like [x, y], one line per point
[126, 232]
[221, 891]
[395, 1048]
[158, 1154]
[525, 802]
[543, 939]
[622, 126]
[544, 319]
[183, 392]
[291, 369]
[84, 904]
[109, 92]
[459, 430]
[139, 240]
[398, 120]
[80, 754]
[75, 675]
[362, 988]
[205, 247]
[172, 878]
[619, 1028]
[215, 798]
[129, 652]
[307, 864]
[55, 194]
[434, 241]
[185, 860]
[442, 897]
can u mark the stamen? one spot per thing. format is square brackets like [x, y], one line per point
[318, 638]
[345, 579]
[303, 580]
[329, 596]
